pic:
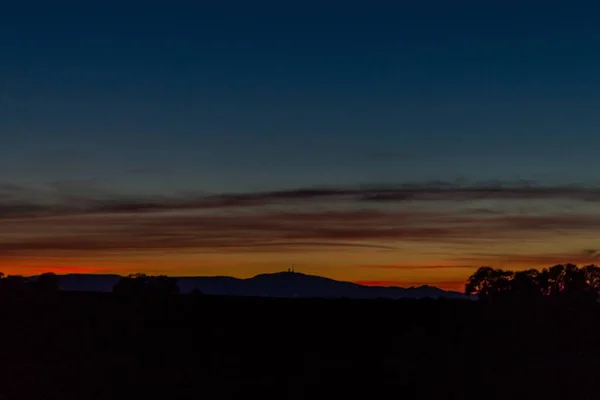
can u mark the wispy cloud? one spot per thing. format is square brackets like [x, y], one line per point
[265, 231]
[63, 198]
[82, 219]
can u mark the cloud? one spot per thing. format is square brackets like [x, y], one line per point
[264, 231]
[267, 231]
[437, 190]
[592, 253]
[81, 218]
[88, 197]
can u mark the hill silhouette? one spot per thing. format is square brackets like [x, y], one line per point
[280, 284]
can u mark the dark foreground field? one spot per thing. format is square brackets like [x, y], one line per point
[87, 346]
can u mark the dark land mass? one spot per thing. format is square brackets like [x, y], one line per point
[79, 345]
[283, 284]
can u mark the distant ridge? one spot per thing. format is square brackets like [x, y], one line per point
[281, 284]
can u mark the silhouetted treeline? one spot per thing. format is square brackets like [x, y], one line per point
[560, 283]
[136, 285]
[16, 284]
[133, 285]
[86, 345]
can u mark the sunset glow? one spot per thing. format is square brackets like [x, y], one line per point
[400, 235]
[403, 144]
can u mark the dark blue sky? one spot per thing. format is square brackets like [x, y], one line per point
[167, 97]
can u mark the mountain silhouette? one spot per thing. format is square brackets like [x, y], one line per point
[280, 284]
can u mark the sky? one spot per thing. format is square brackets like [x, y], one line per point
[396, 143]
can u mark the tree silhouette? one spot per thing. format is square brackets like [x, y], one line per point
[526, 285]
[46, 283]
[566, 282]
[162, 286]
[489, 283]
[131, 285]
[14, 284]
[144, 285]
[592, 273]
[559, 283]
[555, 280]
[574, 283]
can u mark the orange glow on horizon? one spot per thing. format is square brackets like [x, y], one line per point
[457, 286]
[383, 271]
[245, 268]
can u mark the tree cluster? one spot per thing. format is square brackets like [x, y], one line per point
[17, 284]
[137, 285]
[562, 282]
